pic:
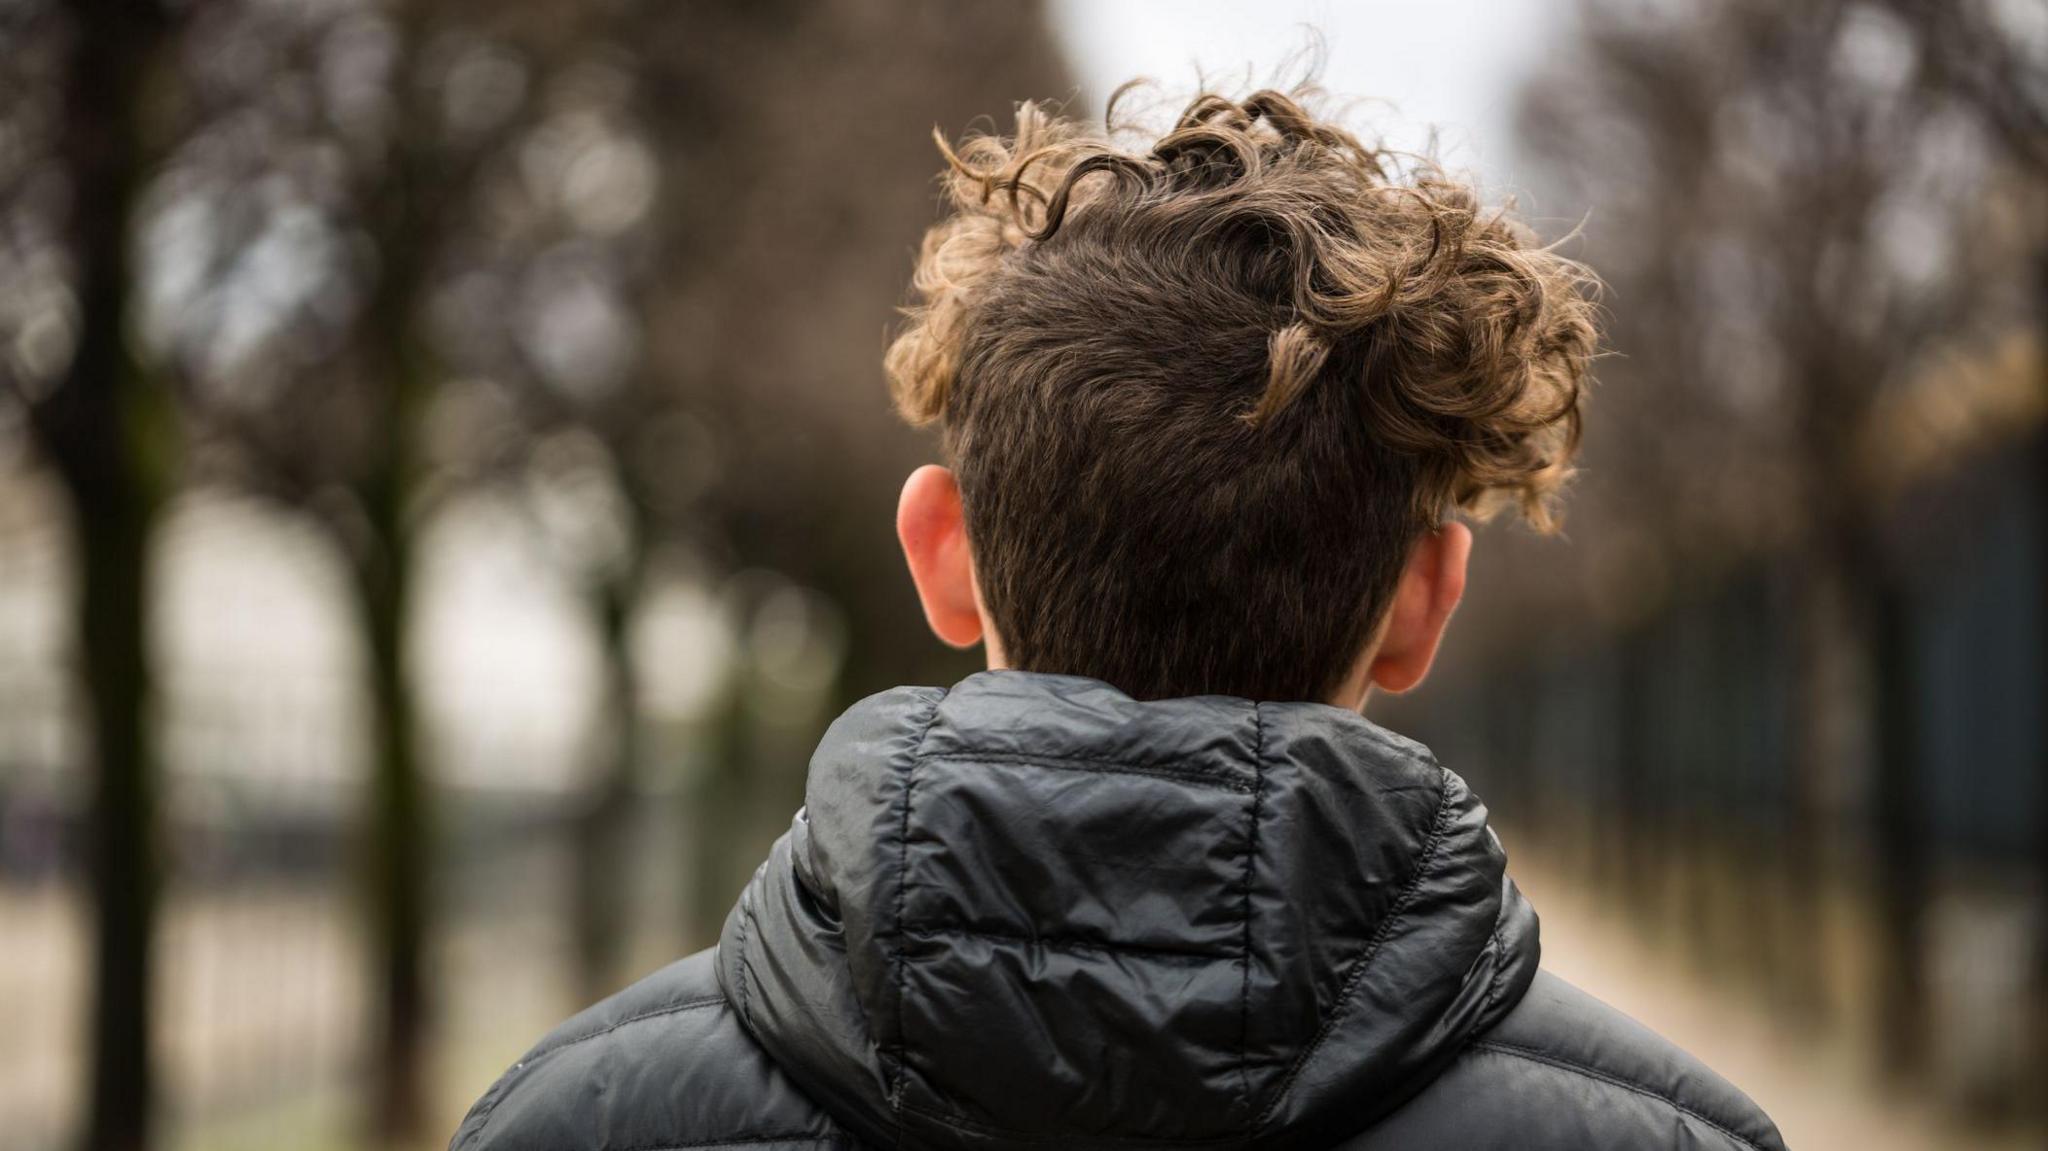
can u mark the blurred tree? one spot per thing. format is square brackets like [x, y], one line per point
[692, 347]
[658, 320]
[300, 238]
[99, 421]
[665, 322]
[1795, 218]
[552, 400]
[797, 175]
[1988, 58]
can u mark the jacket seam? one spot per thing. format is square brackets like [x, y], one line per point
[745, 926]
[503, 1085]
[1500, 961]
[481, 1115]
[1089, 764]
[1424, 866]
[1066, 942]
[970, 1127]
[902, 899]
[638, 1017]
[744, 1141]
[1251, 857]
[1570, 1067]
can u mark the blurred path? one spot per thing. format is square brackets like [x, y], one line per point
[1818, 1093]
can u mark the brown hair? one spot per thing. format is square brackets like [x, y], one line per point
[1203, 397]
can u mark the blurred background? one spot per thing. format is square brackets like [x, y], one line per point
[446, 482]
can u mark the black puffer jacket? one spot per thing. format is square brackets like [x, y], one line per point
[1032, 912]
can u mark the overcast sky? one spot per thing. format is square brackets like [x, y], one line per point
[1453, 64]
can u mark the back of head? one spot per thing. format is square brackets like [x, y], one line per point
[1202, 396]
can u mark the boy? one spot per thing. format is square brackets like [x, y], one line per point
[1152, 881]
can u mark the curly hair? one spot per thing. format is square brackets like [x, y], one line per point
[1204, 394]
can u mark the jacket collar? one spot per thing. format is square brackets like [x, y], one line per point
[1033, 911]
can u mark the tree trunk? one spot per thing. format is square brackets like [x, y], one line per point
[1815, 755]
[1642, 832]
[603, 847]
[96, 428]
[2041, 635]
[398, 855]
[400, 818]
[1903, 836]
[113, 528]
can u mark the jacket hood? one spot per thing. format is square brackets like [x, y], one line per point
[1031, 911]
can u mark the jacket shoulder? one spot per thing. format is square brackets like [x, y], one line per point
[1564, 1070]
[663, 1063]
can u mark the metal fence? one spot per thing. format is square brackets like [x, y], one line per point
[1657, 765]
[262, 1015]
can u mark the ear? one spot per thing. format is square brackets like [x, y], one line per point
[933, 531]
[1431, 585]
